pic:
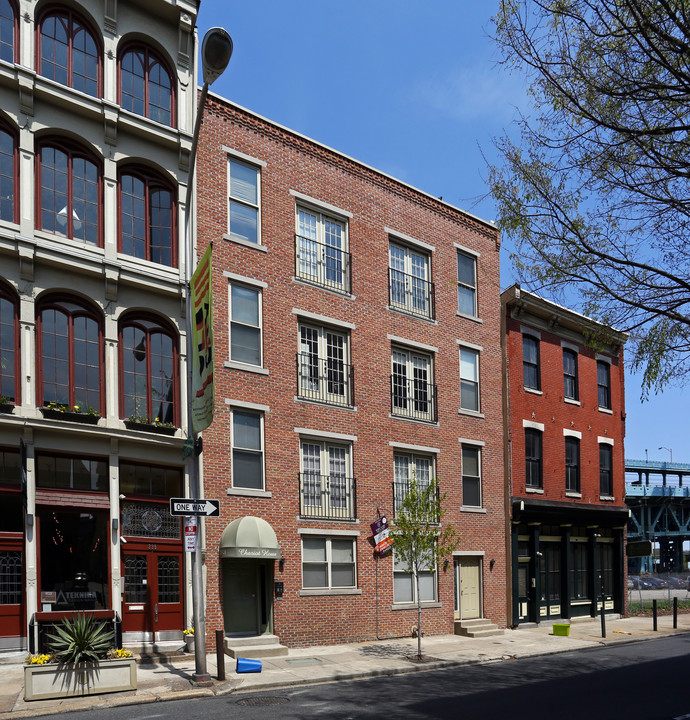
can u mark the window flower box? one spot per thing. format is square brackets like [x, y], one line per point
[6, 407]
[150, 427]
[51, 412]
[53, 680]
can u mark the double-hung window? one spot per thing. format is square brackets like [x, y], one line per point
[70, 192]
[244, 202]
[328, 563]
[321, 250]
[324, 372]
[471, 476]
[70, 355]
[572, 464]
[326, 485]
[413, 393]
[247, 449]
[605, 470]
[410, 287]
[410, 467]
[604, 384]
[9, 346]
[69, 53]
[533, 458]
[404, 587]
[467, 284]
[245, 324]
[9, 176]
[530, 362]
[8, 30]
[469, 379]
[570, 389]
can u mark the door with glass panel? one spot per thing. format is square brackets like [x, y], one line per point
[153, 590]
[412, 391]
[320, 249]
[409, 285]
[11, 592]
[323, 367]
[325, 486]
[550, 580]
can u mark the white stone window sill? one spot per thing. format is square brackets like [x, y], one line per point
[248, 492]
[413, 606]
[538, 491]
[607, 498]
[246, 243]
[470, 509]
[315, 592]
[247, 368]
[473, 318]
[570, 401]
[573, 494]
[533, 391]
[607, 411]
[471, 413]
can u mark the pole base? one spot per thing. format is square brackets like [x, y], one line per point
[202, 680]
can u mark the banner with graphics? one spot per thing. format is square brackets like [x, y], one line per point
[201, 349]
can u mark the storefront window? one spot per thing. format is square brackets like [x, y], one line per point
[11, 514]
[147, 480]
[74, 560]
[72, 473]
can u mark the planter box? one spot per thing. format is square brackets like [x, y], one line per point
[6, 407]
[52, 680]
[561, 629]
[85, 418]
[147, 427]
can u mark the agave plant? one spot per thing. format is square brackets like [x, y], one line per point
[80, 639]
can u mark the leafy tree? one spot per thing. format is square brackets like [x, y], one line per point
[420, 542]
[595, 194]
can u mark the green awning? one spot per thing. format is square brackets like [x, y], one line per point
[251, 538]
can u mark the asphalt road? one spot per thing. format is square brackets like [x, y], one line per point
[632, 681]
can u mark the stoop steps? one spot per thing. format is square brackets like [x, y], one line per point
[477, 628]
[259, 646]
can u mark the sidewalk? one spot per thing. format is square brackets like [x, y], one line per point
[171, 680]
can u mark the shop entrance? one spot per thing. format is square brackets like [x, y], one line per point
[550, 580]
[11, 593]
[152, 604]
[247, 593]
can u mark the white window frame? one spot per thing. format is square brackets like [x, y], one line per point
[243, 202]
[476, 381]
[233, 447]
[465, 286]
[329, 561]
[320, 256]
[399, 574]
[413, 461]
[477, 448]
[412, 360]
[322, 358]
[325, 485]
[259, 291]
[408, 303]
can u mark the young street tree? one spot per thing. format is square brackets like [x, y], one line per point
[595, 194]
[420, 542]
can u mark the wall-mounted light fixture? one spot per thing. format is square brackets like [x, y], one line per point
[492, 562]
[281, 563]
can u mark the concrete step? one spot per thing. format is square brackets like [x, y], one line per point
[478, 627]
[258, 646]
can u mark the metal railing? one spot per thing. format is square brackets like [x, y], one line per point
[400, 489]
[326, 380]
[413, 399]
[327, 497]
[322, 264]
[411, 294]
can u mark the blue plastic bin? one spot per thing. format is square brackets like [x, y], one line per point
[247, 665]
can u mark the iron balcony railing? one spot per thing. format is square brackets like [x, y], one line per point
[322, 264]
[411, 294]
[400, 489]
[413, 399]
[327, 380]
[327, 497]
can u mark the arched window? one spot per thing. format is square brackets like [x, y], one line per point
[9, 195]
[147, 218]
[69, 53]
[9, 347]
[69, 192]
[70, 355]
[8, 31]
[146, 86]
[148, 367]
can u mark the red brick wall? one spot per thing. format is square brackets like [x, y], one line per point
[555, 414]
[375, 201]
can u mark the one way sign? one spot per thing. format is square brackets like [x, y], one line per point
[193, 506]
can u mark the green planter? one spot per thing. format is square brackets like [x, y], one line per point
[561, 629]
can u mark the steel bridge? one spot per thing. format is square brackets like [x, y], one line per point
[658, 496]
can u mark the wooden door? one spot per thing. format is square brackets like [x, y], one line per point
[11, 590]
[470, 588]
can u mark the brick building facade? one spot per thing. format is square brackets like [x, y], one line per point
[357, 343]
[565, 426]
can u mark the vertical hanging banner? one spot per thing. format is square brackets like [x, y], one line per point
[201, 349]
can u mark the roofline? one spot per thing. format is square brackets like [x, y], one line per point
[486, 223]
[515, 294]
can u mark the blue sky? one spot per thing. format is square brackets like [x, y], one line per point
[411, 88]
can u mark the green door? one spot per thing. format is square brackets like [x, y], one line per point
[241, 596]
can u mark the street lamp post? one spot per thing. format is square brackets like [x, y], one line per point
[669, 450]
[216, 51]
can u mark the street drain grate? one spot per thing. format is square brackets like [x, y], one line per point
[259, 701]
